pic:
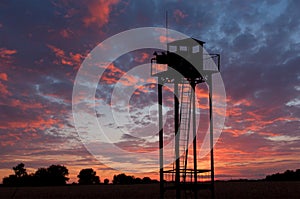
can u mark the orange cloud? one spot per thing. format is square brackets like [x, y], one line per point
[25, 106]
[76, 57]
[141, 58]
[4, 90]
[6, 57]
[71, 59]
[109, 80]
[3, 76]
[201, 97]
[58, 52]
[99, 12]
[129, 80]
[164, 39]
[6, 53]
[113, 69]
[112, 74]
[244, 102]
[39, 123]
[235, 132]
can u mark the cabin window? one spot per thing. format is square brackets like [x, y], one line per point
[183, 48]
[196, 49]
[172, 48]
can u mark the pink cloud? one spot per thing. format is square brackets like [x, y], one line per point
[6, 53]
[25, 106]
[99, 12]
[178, 14]
[66, 33]
[141, 58]
[4, 90]
[39, 123]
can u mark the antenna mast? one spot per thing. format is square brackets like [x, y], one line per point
[166, 26]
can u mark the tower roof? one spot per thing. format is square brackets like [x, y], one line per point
[187, 41]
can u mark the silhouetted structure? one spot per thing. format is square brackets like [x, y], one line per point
[184, 65]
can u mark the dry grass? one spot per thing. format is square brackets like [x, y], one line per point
[223, 190]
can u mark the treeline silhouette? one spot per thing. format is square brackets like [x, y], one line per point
[288, 175]
[56, 175]
[124, 179]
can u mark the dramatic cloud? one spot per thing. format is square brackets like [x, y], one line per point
[99, 12]
[43, 46]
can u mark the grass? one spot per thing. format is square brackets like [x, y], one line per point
[223, 190]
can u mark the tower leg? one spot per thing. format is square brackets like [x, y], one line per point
[177, 136]
[161, 141]
[211, 139]
[194, 139]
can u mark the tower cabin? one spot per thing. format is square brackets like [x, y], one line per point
[183, 58]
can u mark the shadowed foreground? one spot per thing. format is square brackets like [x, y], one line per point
[223, 190]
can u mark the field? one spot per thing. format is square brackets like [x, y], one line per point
[237, 190]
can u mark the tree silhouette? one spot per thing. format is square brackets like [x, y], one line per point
[138, 181]
[288, 175]
[20, 170]
[88, 176]
[41, 177]
[57, 175]
[106, 181]
[52, 176]
[123, 179]
[11, 180]
[20, 177]
[146, 180]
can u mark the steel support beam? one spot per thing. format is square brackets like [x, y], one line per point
[194, 137]
[177, 136]
[211, 127]
[161, 141]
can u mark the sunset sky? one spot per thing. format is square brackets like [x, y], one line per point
[43, 44]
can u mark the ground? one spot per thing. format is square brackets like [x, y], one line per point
[235, 190]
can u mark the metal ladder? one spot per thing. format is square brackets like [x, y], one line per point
[184, 128]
